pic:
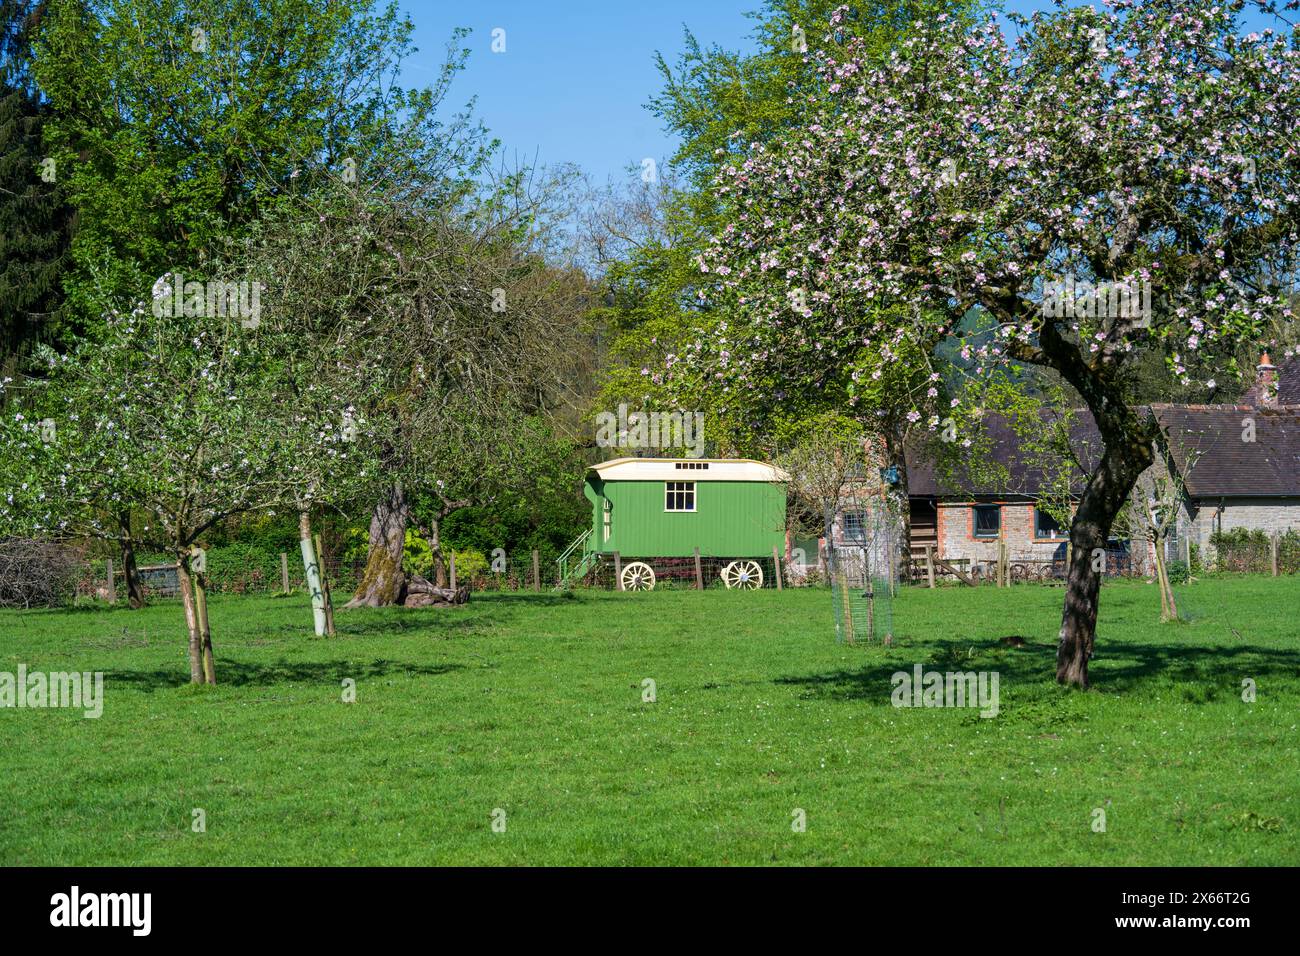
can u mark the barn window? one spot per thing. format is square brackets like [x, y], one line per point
[679, 496]
[987, 520]
[1045, 526]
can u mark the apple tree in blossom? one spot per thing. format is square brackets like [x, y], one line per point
[186, 420]
[1094, 185]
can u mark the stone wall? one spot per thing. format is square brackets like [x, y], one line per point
[1270, 515]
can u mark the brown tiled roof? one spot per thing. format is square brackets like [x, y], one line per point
[1025, 478]
[1222, 462]
[1288, 381]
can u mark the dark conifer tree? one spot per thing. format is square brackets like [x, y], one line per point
[35, 224]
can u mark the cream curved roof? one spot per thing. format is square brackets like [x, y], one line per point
[688, 469]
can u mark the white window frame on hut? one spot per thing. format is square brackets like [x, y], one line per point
[677, 494]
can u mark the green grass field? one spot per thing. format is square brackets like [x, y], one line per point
[533, 704]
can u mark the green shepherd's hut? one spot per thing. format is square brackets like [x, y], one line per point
[649, 515]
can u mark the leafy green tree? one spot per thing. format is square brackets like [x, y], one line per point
[175, 123]
[719, 103]
[457, 329]
[528, 497]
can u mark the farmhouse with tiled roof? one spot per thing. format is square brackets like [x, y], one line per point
[1238, 465]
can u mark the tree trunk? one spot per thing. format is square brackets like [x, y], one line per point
[1127, 437]
[130, 571]
[424, 593]
[1121, 464]
[311, 571]
[325, 585]
[1168, 609]
[383, 582]
[435, 547]
[1158, 562]
[830, 558]
[183, 578]
[205, 628]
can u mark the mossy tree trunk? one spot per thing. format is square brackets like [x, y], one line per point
[383, 582]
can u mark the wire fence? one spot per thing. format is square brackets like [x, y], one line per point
[863, 581]
[46, 574]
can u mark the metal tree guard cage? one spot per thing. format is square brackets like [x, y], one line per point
[863, 565]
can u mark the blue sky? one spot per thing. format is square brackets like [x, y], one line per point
[575, 75]
[573, 81]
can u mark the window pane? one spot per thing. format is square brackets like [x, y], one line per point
[1046, 526]
[987, 521]
[679, 496]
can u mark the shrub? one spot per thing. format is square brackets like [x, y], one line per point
[1250, 551]
[38, 573]
[240, 568]
[1178, 572]
[470, 564]
[417, 558]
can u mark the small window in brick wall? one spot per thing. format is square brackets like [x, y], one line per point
[1045, 526]
[987, 520]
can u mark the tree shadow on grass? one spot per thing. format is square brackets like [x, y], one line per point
[234, 673]
[359, 625]
[530, 598]
[1029, 672]
[485, 609]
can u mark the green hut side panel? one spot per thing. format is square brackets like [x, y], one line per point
[731, 519]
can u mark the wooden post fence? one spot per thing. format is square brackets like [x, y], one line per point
[284, 573]
[112, 588]
[537, 571]
[618, 571]
[1272, 552]
[699, 572]
[929, 564]
[776, 563]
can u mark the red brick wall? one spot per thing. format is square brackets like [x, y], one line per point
[957, 534]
